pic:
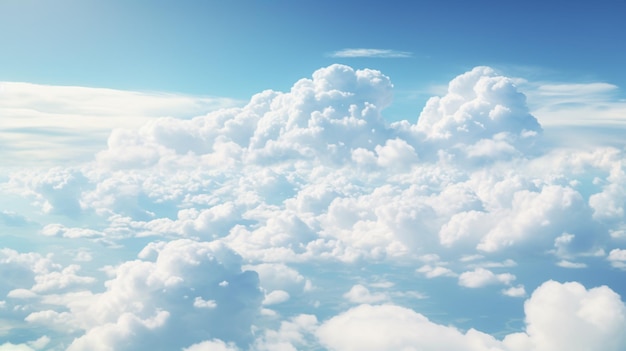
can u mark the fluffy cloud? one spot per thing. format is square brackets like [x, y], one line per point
[155, 300]
[314, 191]
[567, 316]
[390, 327]
[326, 116]
[482, 112]
[558, 316]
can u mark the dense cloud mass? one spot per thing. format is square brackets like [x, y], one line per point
[291, 223]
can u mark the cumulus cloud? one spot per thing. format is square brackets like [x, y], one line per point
[289, 199]
[390, 327]
[568, 316]
[173, 299]
[558, 315]
[328, 115]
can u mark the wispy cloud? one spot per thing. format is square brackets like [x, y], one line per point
[44, 123]
[381, 53]
[567, 104]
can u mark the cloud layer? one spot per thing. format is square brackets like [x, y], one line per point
[303, 219]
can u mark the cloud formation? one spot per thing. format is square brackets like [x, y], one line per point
[302, 218]
[557, 315]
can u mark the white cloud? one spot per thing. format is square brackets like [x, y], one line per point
[483, 113]
[33, 345]
[276, 297]
[515, 291]
[47, 124]
[293, 334]
[314, 191]
[21, 294]
[389, 327]
[212, 345]
[60, 279]
[7, 346]
[480, 277]
[559, 316]
[566, 316]
[381, 53]
[570, 264]
[147, 302]
[436, 271]
[617, 257]
[199, 302]
[360, 294]
[575, 104]
[278, 276]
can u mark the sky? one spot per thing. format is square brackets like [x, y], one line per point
[298, 175]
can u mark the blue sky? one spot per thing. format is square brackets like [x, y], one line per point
[299, 175]
[238, 48]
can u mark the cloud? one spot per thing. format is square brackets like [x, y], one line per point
[617, 257]
[569, 317]
[575, 104]
[212, 345]
[295, 201]
[515, 291]
[558, 316]
[46, 124]
[169, 298]
[295, 333]
[360, 294]
[275, 297]
[379, 53]
[480, 277]
[38, 344]
[315, 119]
[390, 327]
[437, 271]
[570, 264]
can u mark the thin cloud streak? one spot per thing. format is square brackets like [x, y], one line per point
[379, 53]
